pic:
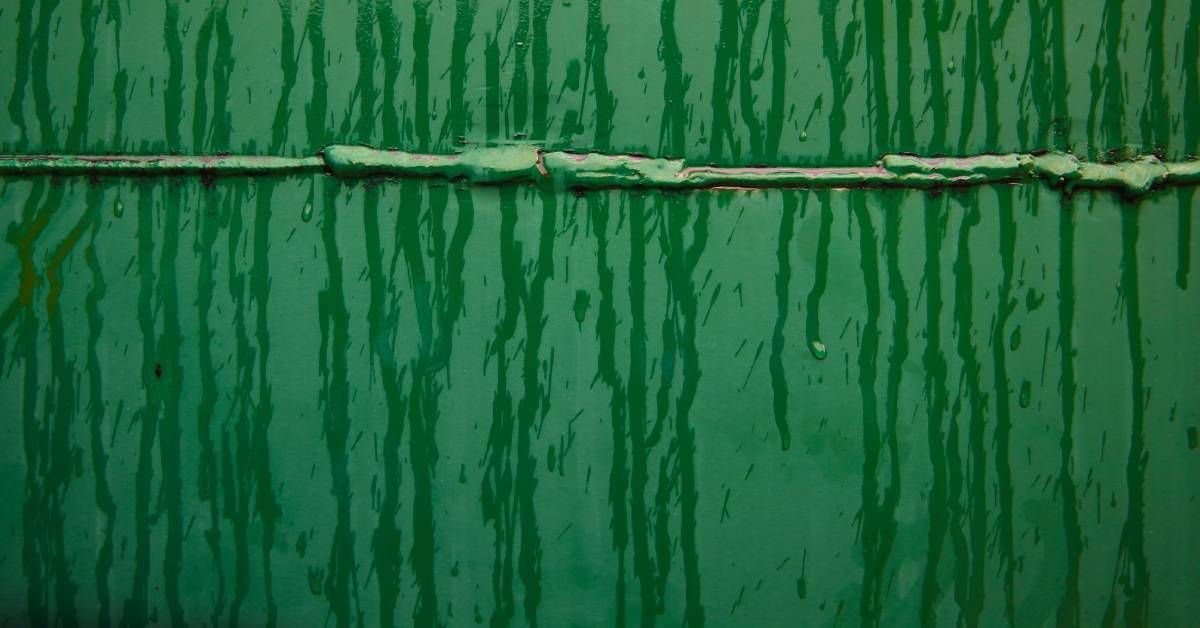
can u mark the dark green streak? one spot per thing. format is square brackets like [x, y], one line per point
[878, 512]
[838, 56]
[783, 278]
[673, 132]
[387, 538]
[874, 40]
[1191, 141]
[171, 380]
[1132, 572]
[934, 361]
[208, 215]
[265, 504]
[1005, 305]
[136, 607]
[541, 64]
[936, 101]
[643, 563]
[105, 502]
[779, 66]
[169, 370]
[813, 307]
[681, 262]
[904, 79]
[606, 335]
[896, 358]
[597, 48]
[496, 497]
[24, 44]
[970, 560]
[1069, 607]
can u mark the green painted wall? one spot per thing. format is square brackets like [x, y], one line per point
[297, 400]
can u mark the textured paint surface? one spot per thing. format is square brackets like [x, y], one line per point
[297, 400]
[561, 170]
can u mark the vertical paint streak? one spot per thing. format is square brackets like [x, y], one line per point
[878, 521]
[496, 496]
[340, 583]
[723, 84]
[541, 64]
[136, 607]
[896, 360]
[606, 334]
[169, 369]
[1107, 88]
[643, 563]
[783, 278]
[838, 56]
[171, 380]
[681, 266]
[672, 136]
[1034, 80]
[820, 277]
[935, 103]
[874, 40]
[779, 44]
[1191, 143]
[16, 102]
[1069, 607]
[208, 215]
[1132, 571]
[746, 75]
[970, 559]
[904, 118]
[1005, 305]
[934, 361]
[520, 79]
[105, 502]
[596, 49]
[387, 538]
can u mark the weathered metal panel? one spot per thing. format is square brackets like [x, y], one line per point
[295, 400]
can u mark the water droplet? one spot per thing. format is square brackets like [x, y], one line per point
[1026, 393]
[804, 136]
[119, 209]
[306, 213]
[950, 68]
[818, 349]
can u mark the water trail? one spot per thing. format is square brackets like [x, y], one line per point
[936, 100]
[1005, 305]
[820, 278]
[136, 607]
[496, 497]
[105, 502]
[722, 89]
[777, 32]
[1191, 141]
[970, 550]
[606, 334]
[874, 40]
[936, 398]
[838, 56]
[643, 562]
[878, 527]
[387, 538]
[681, 260]
[1069, 607]
[1132, 571]
[747, 74]
[340, 584]
[783, 277]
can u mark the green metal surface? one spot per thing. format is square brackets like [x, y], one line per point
[299, 399]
